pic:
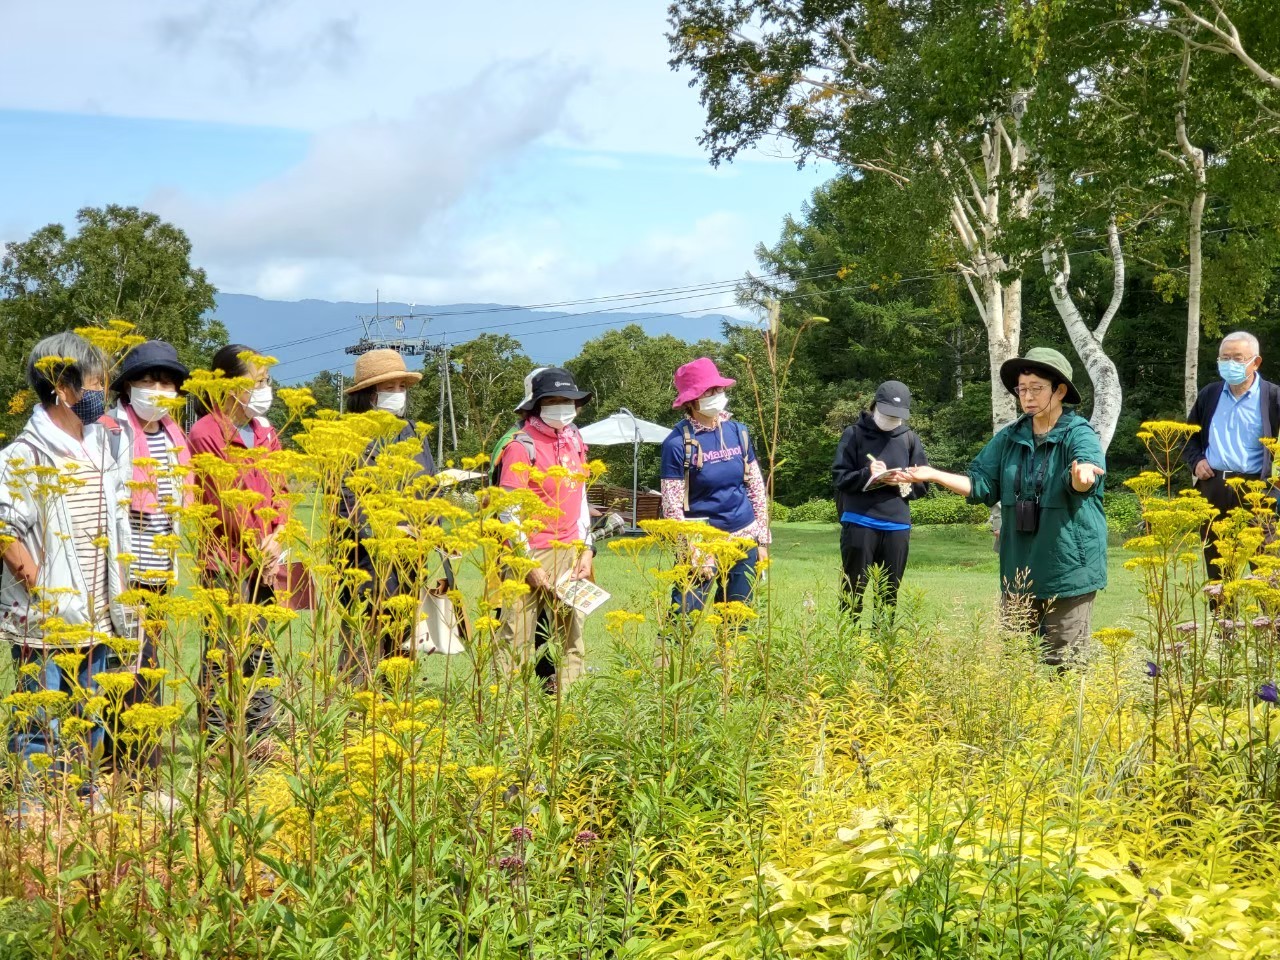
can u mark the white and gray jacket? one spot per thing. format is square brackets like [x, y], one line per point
[33, 512]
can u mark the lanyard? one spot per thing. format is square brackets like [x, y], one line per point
[1040, 473]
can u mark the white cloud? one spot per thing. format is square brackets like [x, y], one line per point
[244, 62]
[367, 190]
[247, 35]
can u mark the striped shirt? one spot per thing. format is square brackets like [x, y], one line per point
[87, 506]
[147, 526]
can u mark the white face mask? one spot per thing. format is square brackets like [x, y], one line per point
[886, 423]
[259, 402]
[716, 403]
[392, 401]
[558, 415]
[146, 402]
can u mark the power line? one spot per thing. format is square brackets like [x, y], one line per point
[797, 296]
[707, 288]
[522, 323]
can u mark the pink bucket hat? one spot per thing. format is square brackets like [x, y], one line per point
[697, 377]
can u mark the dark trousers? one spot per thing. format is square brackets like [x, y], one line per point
[861, 548]
[258, 661]
[737, 586]
[1216, 491]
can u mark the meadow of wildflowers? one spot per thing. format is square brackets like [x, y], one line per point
[744, 782]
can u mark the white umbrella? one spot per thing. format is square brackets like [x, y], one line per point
[625, 427]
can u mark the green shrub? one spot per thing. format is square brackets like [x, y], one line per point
[941, 508]
[1123, 512]
[815, 511]
[779, 513]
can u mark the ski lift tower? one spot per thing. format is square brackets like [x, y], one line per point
[376, 337]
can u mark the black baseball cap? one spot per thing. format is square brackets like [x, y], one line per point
[550, 382]
[893, 399]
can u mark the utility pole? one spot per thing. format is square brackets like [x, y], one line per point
[342, 393]
[448, 386]
[440, 417]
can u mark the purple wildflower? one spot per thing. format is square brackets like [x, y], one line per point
[512, 864]
[1178, 649]
[1188, 627]
[1268, 693]
[521, 834]
[1261, 623]
[1213, 590]
[586, 838]
[1153, 669]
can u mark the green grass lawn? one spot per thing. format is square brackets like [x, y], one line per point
[953, 572]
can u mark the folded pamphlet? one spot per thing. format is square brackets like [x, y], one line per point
[583, 595]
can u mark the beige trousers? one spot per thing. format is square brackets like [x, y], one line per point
[516, 636]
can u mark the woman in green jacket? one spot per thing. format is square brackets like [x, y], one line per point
[1045, 471]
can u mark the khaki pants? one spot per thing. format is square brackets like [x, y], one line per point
[516, 639]
[1064, 625]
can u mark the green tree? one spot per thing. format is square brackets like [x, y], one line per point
[629, 368]
[121, 262]
[488, 381]
[930, 96]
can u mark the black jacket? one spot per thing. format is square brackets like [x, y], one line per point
[1202, 415]
[897, 449]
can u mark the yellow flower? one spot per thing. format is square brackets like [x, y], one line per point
[396, 669]
[69, 663]
[76, 727]
[482, 776]
[114, 685]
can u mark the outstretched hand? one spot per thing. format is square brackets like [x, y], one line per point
[909, 475]
[1085, 475]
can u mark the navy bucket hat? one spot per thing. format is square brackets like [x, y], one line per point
[152, 355]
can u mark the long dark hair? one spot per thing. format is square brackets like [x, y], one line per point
[363, 400]
[229, 361]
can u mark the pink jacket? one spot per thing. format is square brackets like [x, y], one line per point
[551, 448]
[214, 433]
[143, 499]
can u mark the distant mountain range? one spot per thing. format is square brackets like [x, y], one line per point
[309, 336]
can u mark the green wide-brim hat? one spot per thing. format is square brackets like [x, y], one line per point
[1043, 360]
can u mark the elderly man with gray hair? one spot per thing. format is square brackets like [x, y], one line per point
[63, 528]
[1233, 414]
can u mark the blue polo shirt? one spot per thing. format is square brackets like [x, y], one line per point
[1234, 431]
[717, 489]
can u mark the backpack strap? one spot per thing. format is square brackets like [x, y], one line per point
[744, 440]
[115, 434]
[514, 435]
[692, 457]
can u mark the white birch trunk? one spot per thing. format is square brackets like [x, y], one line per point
[1195, 279]
[1107, 394]
[978, 220]
[1195, 161]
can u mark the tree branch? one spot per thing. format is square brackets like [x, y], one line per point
[1117, 280]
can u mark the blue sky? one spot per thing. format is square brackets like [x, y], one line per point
[329, 148]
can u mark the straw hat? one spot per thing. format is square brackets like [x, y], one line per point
[379, 366]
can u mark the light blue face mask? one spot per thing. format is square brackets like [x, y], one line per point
[1234, 372]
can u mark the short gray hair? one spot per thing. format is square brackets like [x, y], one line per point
[1245, 337]
[84, 361]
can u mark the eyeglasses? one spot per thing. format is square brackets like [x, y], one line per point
[1245, 360]
[1031, 391]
